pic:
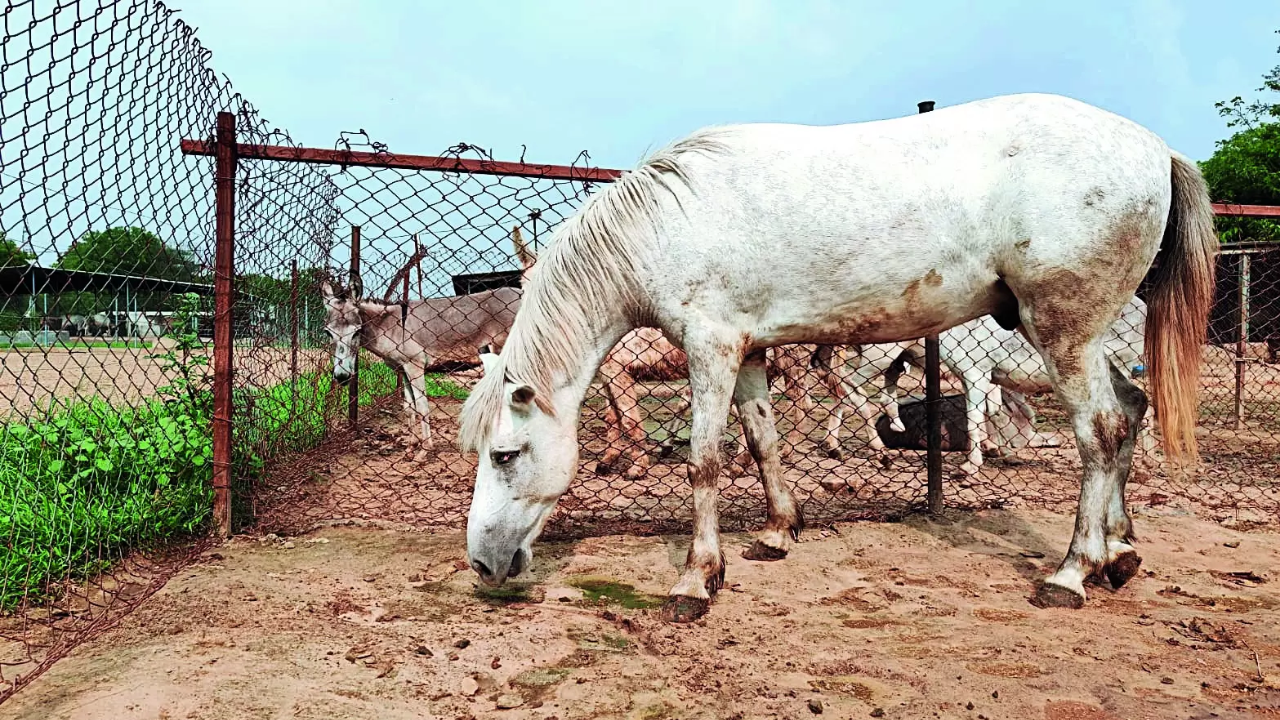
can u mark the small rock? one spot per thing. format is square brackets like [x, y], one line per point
[423, 650]
[415, 578]
[497, 662]
[1166, 681]
[1231, 544]
[507, 701]
[214, 556]
[469, 687]
[250, 598]
[969, 706]
[1031, 554]
[878, 712]
[453, 656]
[370, 578]
[462, 644]
[815, 706]
[359, 652]
[995, 694]
[288, 545]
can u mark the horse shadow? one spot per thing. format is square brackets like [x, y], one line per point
[999, 534]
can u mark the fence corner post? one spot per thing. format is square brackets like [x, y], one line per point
[223, 328]
[933, 403]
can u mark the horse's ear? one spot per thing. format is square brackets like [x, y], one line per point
[488, 360]
[526, 256]
[522, 397]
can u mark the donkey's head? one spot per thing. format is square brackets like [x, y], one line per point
[525, 464]
[343, 323]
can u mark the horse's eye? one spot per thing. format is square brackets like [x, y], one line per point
[502, 457]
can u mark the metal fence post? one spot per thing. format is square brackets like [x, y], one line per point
[353, 384]
[1242, 348]
[223, 289]
[293, 325]
[933, 403]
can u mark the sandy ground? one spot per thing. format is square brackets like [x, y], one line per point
[918, 619]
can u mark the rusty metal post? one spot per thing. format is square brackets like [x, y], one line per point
[223, 328]
[933, 403]
[1242, 348]
[353, 385]
[293, 327]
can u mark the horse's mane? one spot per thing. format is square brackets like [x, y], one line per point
[588, 270]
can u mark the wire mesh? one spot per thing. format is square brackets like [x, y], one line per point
[106, 268]
[106, 245]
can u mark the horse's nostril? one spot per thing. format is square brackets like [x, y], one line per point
[517, 563]
[481, 568]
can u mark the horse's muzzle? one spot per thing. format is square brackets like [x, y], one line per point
[494, 572]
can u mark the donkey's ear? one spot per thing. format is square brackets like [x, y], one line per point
[326, 290]
[489, 360]
[522, 397]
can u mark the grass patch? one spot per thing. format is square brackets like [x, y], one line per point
[82, 485]
[608, 592]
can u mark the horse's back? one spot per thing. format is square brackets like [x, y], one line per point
[879, 231]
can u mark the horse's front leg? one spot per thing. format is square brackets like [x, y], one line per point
[713, 371]
[784, 523]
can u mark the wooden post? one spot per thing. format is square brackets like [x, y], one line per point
[223, 290]
[353, 384]
[933, 404]
[1242, 348]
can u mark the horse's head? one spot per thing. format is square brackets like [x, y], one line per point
[342, 323]
[524, 466]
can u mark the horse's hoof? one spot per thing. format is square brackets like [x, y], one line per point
[683, 609]
[1122, 569]
[835, 453]
[1049, 595]
[635, 472]
[897, 426]
[603, 468]
[760, 552]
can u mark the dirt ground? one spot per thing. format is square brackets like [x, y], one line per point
[918, 619]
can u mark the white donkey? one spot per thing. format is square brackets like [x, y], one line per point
[1038, 210]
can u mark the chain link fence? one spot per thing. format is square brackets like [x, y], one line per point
[106, 309]
[358, 286]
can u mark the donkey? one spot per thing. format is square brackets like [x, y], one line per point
[1042, 211]
[412, 336]
[987, 358]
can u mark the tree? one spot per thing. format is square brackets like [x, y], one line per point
[11, 255]
[1246, 166]
[129, 251]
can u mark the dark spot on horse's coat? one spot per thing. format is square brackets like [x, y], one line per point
[704, 474]
[1023, 244]
[933, 278]
[1110, 430]
[760, 410]
[1094, 196]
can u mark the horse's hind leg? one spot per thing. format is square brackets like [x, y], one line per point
[751, 394]
[1079, 371]
[713, 370]
[1122, 560]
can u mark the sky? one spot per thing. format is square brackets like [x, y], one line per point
[620, 78]
[96, 94]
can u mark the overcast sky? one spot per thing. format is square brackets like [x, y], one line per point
[618, 78]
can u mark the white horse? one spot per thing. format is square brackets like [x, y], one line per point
[1038, 210]
[986, 358]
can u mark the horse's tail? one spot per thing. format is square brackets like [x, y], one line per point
[1181, 293]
